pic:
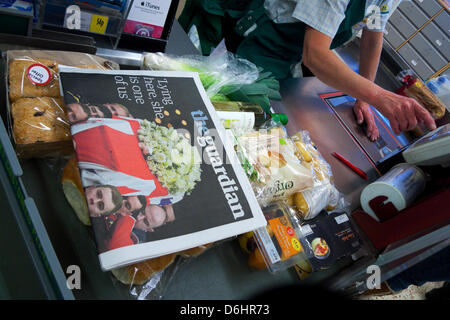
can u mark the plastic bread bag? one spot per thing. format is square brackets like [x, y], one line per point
[40, 127]
[148, 279]
[34, 73]
[309, 203]
[324, 195]
[269, 159]
[413, 87]
[280, 245]
[36, 114]
[217, 72]
[310, 157]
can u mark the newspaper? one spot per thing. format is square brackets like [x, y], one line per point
[158, 174]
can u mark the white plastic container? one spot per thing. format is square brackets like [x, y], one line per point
[401, 185]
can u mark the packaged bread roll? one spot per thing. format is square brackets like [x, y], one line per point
[194, 252]
[324, 195]
[311, 158]
[36, 112]
[270, 161]
[309, 203]
[29, 77]
[414, 88]
[39, 120]
[40, 127]
[140, 273]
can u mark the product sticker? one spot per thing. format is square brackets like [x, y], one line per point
[269, 247]
[237, 120]
[98, 24]
[39, 74]
[306, 230]
[296, 244]
[341, 219]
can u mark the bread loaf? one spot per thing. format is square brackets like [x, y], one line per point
[417, 90]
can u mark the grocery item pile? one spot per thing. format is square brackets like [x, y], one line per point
[290, 179]
[294, 185]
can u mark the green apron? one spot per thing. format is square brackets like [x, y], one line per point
[273, 46]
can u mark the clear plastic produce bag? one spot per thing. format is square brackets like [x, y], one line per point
[324, 195]
[269, 159]
[220, 73]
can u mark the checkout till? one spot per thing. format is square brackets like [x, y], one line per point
[406, 191]
[413, 195]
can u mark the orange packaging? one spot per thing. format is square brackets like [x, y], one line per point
[280, 241]
[286, 237]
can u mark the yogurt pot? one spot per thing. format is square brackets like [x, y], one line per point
[401, 185]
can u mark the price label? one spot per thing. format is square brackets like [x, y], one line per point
[98, 24]
[306, 230]
[296, 244]
[39, 74]
[341, 219]
[269, 247]
[290, 231]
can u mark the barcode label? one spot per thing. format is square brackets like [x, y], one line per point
[269, 247]
[341, 219]
[306, 230]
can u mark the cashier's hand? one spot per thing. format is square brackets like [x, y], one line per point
[363, 113]
[403, 113]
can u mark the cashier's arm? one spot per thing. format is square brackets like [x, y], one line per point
[369, 58]
[403, 113]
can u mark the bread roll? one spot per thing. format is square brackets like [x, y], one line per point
[20, 86]
[194, 252]
[40, 120]
[73, 190]
[139, 273]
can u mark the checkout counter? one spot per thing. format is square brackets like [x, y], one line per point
[49, 238]
[419, 230]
